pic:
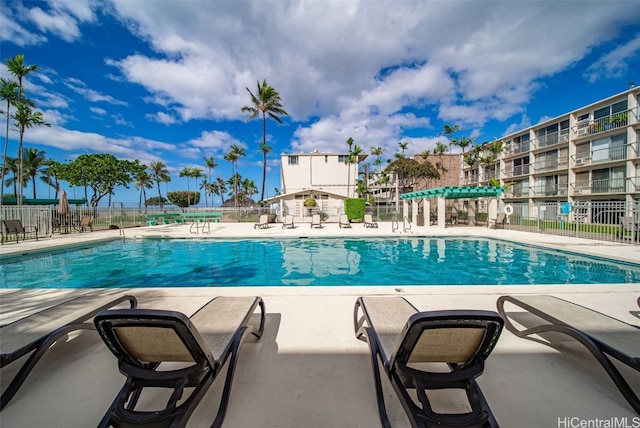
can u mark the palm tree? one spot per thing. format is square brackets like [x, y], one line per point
[448, 131]
[354, 157]
[9, 91]
[143, 181]
[377, 152]
[350, 144]
[220, 188]
[49, 176]
[11, 166]
[204, 186]
[233, 156]
[264, 148]
[211, 164]
[266, 101]
[159, 174]
[403, 146]
[25, 118]
[34, 161]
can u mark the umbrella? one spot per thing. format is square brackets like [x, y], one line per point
[63, 205]
[64, 209]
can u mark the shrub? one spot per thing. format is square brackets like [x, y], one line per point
[183, 198]
[354, 208]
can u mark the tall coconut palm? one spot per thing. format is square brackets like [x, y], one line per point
[25, 118]
[233, 156]
[265, 149]
[20, 70]
[448, 131]
[159, 174]
[9, 92]
[354, 157]
[350, 144]
[265, 102]
[211, 164]
[34, 162]
[11, 166]
[143, 181]
[220, 188]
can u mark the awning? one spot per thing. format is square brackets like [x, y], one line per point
[450, 192]
[26, 201]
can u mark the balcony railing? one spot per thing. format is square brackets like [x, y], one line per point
[552, 139]
[607, 154]
[516, 170]
[606, 186]
[545, 190]
[607, 123]
[549, 165]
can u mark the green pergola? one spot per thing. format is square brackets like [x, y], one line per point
[27, 201]
[451, 192]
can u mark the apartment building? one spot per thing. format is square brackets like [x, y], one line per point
[326, 177]
[592, 153]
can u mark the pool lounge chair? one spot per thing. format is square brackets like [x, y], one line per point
[630, 230]
[605, 337]
[405, 340]
[498, 222]
[315, 221]
[368, 221]
[36, 333]
[84, 223]
[143, 340]
[15, 227]
[263, 222]
[344, 221]
[288, 222]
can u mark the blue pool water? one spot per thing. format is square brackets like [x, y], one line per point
[408, 261]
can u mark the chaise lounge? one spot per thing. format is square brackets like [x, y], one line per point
[144, 340]
[605, 337]
[36, 333]
[409, 343]
[263, 222]
[15, 227]
[343, 221]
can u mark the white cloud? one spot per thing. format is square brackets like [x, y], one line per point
[615, 62]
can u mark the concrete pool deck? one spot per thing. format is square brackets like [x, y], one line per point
[308, 370]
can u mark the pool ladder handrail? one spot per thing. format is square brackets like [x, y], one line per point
[394, 223]
[121, 229]
[406, 222]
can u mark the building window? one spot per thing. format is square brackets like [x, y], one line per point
[343, 158]
[326, 158]
[293, 160]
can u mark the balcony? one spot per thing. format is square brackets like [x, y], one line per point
[553, 139]
[516, 171]
[600, 187]
[549, 165]
[553, 190]
[603, 124]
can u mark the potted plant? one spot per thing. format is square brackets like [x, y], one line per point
[620, 119]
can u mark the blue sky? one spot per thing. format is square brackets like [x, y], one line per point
[165, 80]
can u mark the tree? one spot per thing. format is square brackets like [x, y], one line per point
[350, 144]
[354, 157]
[265, 149]
[220, 188]
[10, 92]
[101, 172]
[11, 166]
[34, 161]
[211, 164]
[448, 131]
[159, 174]
[233, 156]
[403, 146]
[265, 102]
[143, 181]
[25, 118]
[377, 152]
[409, 170]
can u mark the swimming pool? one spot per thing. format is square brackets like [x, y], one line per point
[310, 262]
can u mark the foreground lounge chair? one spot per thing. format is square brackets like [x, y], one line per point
[315, 221]
[288, 222]
[263, 222]
[143, 339]
[344, 221]
[36, 333]
[403, 339]
[602, 335]
[368, 221]
[630, 230]
[15, 227]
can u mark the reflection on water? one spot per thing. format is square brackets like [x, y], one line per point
[302, 262]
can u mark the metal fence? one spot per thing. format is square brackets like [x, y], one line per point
[606, 221]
